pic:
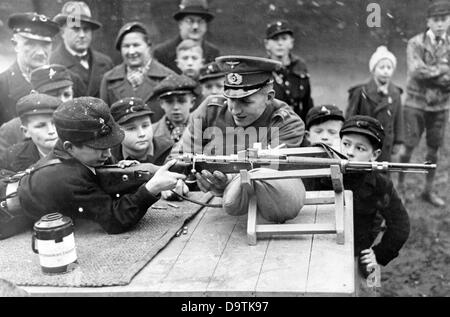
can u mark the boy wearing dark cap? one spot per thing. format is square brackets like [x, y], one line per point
[292, 79]
[139, 72]
[361, 140]
[35, 112]
[139, 143]
[427, 101]
[32, 39]
[66, 181]
[211, 80]
[322, 125]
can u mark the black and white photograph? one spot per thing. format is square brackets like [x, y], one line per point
[224, 152]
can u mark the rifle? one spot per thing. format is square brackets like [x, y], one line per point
[115, 180]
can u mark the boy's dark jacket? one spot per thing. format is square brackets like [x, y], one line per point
[73, 189]
[20, 156]
[374, 192]
[365, 99]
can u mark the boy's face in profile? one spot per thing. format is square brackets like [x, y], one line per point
[190, 61]
[138, 134]
[279, 45]
[439, 24]
[383, 71]
[41, 129]
[213, 86]
[89, 156]
[358, 148]
[325, 132]
[177, 107]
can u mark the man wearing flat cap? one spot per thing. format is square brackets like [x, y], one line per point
[246, 113]
[75, 51]
[66, 179]
[291, 83]
[427, 101]
[32, 39]
[139, 72]
[193, 17]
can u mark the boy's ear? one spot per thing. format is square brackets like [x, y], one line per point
[307, 135]
[67, 145]
[25, 132]
[376, 154]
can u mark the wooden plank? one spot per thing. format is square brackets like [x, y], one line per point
[238, 269]
[306, 173]
[284, 229]
[285, 268]
[196, 263]
[319, 197]
[251, 221]
[339, 218]
[331, 270]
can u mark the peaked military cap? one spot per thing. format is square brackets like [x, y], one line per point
[245, 75]
[74, 12]
[33, 26]
[128, 28]
[365, 125]
[128, 108]
[50, 77]
[278, 27]
[440, 7]
[87, 120]
[323, 113]
[195, 7]
[36, 103]
[210, 71]
[175, 84]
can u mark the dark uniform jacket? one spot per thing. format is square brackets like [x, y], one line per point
[372, 193]
[20, 156]
[166, 53]
[161, 149]
[212, 130]
[366, 100]
[115, 86]
[13, 86]
[73, 189]
[292, 86]
[99, 64]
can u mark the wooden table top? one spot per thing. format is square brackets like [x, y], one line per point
[214, 259]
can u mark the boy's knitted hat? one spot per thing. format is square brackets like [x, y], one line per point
[381, 53]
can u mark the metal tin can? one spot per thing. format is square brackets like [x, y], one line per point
[54, 241]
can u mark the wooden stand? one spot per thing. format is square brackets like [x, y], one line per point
[336, 197]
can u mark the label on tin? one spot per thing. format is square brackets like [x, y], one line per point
[52, 254]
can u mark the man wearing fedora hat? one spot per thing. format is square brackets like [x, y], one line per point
[193, 17]
[32, 39]
[427, 101]
[66, 180]
[75, 51]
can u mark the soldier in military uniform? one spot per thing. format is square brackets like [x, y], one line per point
[66, 181]
[193, 18]
[35, 112]
[32, 39]
[139, 144]
[75, 51]
[292, 83]
[247, 113]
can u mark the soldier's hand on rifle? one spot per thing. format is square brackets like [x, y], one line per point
[164, 179]
[214, 183]
[368, 259]
[181, 189]
[127, 163]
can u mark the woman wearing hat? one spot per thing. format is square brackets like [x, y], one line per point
[139, 72]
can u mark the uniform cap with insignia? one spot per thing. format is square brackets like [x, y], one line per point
[74, 12]
[365, 125]
[33, 26]
[194, 7]
[87, 121]
[175, 84]
[246, 75]
[319, 114]
[50, 77]
[36, 103]
[129, 27]
[128, 108]
[277, 28]
[210, 71]
[437, 8]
